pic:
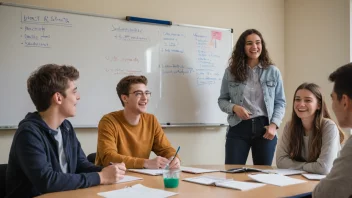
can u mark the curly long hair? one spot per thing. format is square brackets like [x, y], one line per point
[238, 60]
[296, 130]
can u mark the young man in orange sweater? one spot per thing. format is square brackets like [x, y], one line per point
[129, 135]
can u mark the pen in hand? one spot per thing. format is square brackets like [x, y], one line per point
[168, 164]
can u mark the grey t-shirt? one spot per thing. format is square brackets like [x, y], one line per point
[329, 150]
[60, 148]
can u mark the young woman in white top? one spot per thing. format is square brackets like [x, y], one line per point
[311, 140]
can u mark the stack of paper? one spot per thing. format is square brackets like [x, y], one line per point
[314, 176]
[225, 183]
[148, 171]
[196, 170]
[276, 179]
[137, 190]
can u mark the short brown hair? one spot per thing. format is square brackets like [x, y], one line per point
[48, 79]
[123, 87]
[343, 81]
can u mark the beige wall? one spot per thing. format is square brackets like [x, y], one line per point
[317, 34]
[286, 27]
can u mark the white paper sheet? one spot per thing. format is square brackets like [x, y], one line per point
[148, 171]
[223, 182]
[137, 190]
[275, 179]
[128, 178]
[205, 180]
[196, 170]
[238, 185]
[314, 176]
[284, 171]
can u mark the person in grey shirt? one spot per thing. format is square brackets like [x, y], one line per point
[311, 140]
[338, 183]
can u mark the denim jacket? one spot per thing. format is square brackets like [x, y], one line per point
[231, 93]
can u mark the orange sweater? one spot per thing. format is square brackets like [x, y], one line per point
[118, 141]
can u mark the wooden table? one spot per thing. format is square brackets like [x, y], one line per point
[187, 189]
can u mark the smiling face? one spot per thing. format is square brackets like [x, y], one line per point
[137, 99]
[306, 104]
[67, 104]
[253, 46]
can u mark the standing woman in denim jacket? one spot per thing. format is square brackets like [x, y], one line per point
[252, 94]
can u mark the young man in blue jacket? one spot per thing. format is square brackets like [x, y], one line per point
[45, 154]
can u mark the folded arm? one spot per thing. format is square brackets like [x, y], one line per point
[329, 151]
[283, 159]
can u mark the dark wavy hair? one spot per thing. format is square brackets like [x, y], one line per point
[296, 130]
[238, 60]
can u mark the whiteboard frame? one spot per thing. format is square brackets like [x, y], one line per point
[163, 125]
[107, 16]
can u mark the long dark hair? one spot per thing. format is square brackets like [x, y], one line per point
[238, 60]
[296, 130]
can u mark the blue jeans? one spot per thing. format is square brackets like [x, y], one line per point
[249, 134]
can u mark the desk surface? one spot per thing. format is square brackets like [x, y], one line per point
[187, 189]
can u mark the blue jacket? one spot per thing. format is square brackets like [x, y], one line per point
[231, 93]
[34, 167]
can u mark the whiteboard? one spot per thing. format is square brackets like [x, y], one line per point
[184, 64]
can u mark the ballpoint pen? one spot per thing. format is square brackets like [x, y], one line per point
[167, 165]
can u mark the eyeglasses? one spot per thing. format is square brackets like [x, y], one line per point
[139, 94]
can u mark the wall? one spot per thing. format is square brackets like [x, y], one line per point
[307, 39]
[198, 145]
[317, 41]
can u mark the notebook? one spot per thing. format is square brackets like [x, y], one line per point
[196, 170]
[128, 178]
[137, 190]
[148, 171]
[225, 183]
[275, 179]
[273, 171]
[314, 176]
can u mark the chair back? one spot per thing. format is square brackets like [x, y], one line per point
[91, 157]
[3, 168]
